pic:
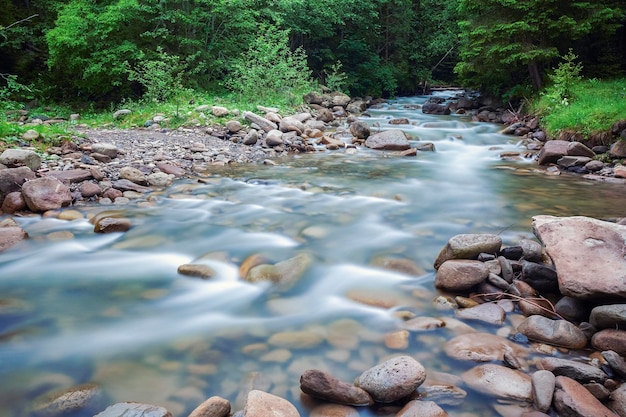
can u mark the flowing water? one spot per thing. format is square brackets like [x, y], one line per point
[77, 307]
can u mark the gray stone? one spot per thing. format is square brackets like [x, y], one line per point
[531, 250]
[291, 124]
[320, 384]
[107, 149]
[217, 111]
[160, 179]
[127, 185]
[393, 379]
[67, 401]
[460, 275]
[20, 158]
[499, 381]
[554, 332]
[30, 134]
[47, 193]
[578, 149]
[274, 138]
[360, 130]
[129, 409]
[251, 137]
[233, 126]
[617, 401]
[616, 362]
[584, 249]
[488, 313]
[260, 121]
[581, 372]
[543, 383]
[389, 140]
[611, 316]
[618, 149]
[468, 246]
[202, 108]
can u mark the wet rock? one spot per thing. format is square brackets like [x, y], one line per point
[301, 339]
[616, 362]
[572, 309]
[130, 409]
[285, 272]
[610, 339]
[482, 347]
[392, 380]
[531, 250]
[274, 138]
[11, 236]
[468, 246]
[404, 266]
[11, 179]
[389, 140]
[418, 408]
[434, 108]
[196, 270]
[582, 250]
[320, 384]
[67, 401]
[212, 407]
[572, 399]
[42, 194]
[443, 394]
[13, 202]
[554, 332]
[499, 381]
[581, 372]
[333, 410]
[111, 225]
[360, 130]
[543, 385]
[14, 158]
[291, 124]
[397, 340]
[262, 404]
[551, 152]
[609, 316]
[488, 313]
[417, 324]
[617, 401]
[460, 275]
[541, 277]
[251, 137]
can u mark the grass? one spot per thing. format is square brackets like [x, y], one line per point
[178, 112]
[593, 106]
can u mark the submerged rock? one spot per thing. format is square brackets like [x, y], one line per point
[130, 409]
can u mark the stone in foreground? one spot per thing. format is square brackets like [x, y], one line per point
[129, 409]
[392, 380]
[573, 399]
[499, 381]
[262, 404]
[320, 384]
[389, 140]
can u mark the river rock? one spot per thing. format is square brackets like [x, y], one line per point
[482, 347]
[573, 399]
[609, 316]
[499, 381]
[71, 176]
[618, 149]
[418, 408]
[11, 179]
[47, 193]
[445, 394]
[422, 323]
[130, 409]
[434, 108]
[572, 309]
[127, 185]
[133, 175]
[468, 246]
[333, 410]
[543, 384]
[460, 275]
[170, 169]
[67, 401]
[30, 134]
[617, 401]
[360, 130]
[14, 158]
[616, 362]
[160, 179]
[285, 272]
[274, 138]
[610, 339]
[488, 313]
[11, 236]
[393, 379]
[291, 124]
[541, 277]
[299, 339]
[260, 121]
[554, 332]
[233, 126]
[320, 384]
[111, 225]
[552, 151]
[581, 372]
[262, 404]
[13, 202]
[212, 407]
[107, 149]
[584, 249]
[389, 140]
[196, 270]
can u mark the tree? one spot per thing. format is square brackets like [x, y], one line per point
[504, 42]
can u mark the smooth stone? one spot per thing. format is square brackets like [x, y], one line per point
[89, 189]
[70, 215]
[448, 394]
[609, 316]
[584, 249]
[360, 130]
[389, 140]
[617, 400]
[130, 409]
[482, 347]
[296, 340]
[133, 175]
[13, 202]
[260, 121]
[14, 158]
[333, 410]
[213, 407]
[572, 309]
[320, 384]
[274, 138]
[30, 134]
[107, 149]
[263, 404]
[543, 384]
[171, 169]
[121, 113]
[217, 111]
[286, 272]
[419, 408]
[112, 225]
[47, 193]
[233, 126]
[417, 324]
[616, 362]
[581, 372]
[468, 246]
[403, 266]
[541, 277]
[573, 399]
[488, 313]
[552, 151]
[127, 185]
[532, 250]
[196, 270]
[160, 179]
[555, 332]
[71, 176]
[393, 379]
[460, 275]
[499, 381]
[610, 339]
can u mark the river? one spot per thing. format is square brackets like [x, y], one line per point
[78, 307]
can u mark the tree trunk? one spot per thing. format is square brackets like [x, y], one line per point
[535, 75]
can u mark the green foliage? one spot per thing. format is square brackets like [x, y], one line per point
[160, 77]
[563, 79]
[268, 68]
[13, 90]
[335, 79]
[594, 107]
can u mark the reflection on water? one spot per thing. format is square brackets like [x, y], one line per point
[113, 310]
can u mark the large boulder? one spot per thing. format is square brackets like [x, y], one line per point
[393, 379]
[587, 253]
[47, 193]
[20, 157]
[389, 140]
[552, 151]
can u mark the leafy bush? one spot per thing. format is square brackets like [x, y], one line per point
[335, 79]
[269, 68]
[161, 77]
[563, 79]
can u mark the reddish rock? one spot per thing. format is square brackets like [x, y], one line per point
[47, 193]
[71, 175]
[320, 384]
[573, 399]
[11, 179]
[11, 236]
[610, 339]
[89, 189]
[13, 202]
[129, 409]
[171, 169]
[552, 151]
[213, 407]
[418, 408]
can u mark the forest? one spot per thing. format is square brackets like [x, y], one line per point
[104, 51]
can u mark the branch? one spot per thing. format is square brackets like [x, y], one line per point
[18, 22]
